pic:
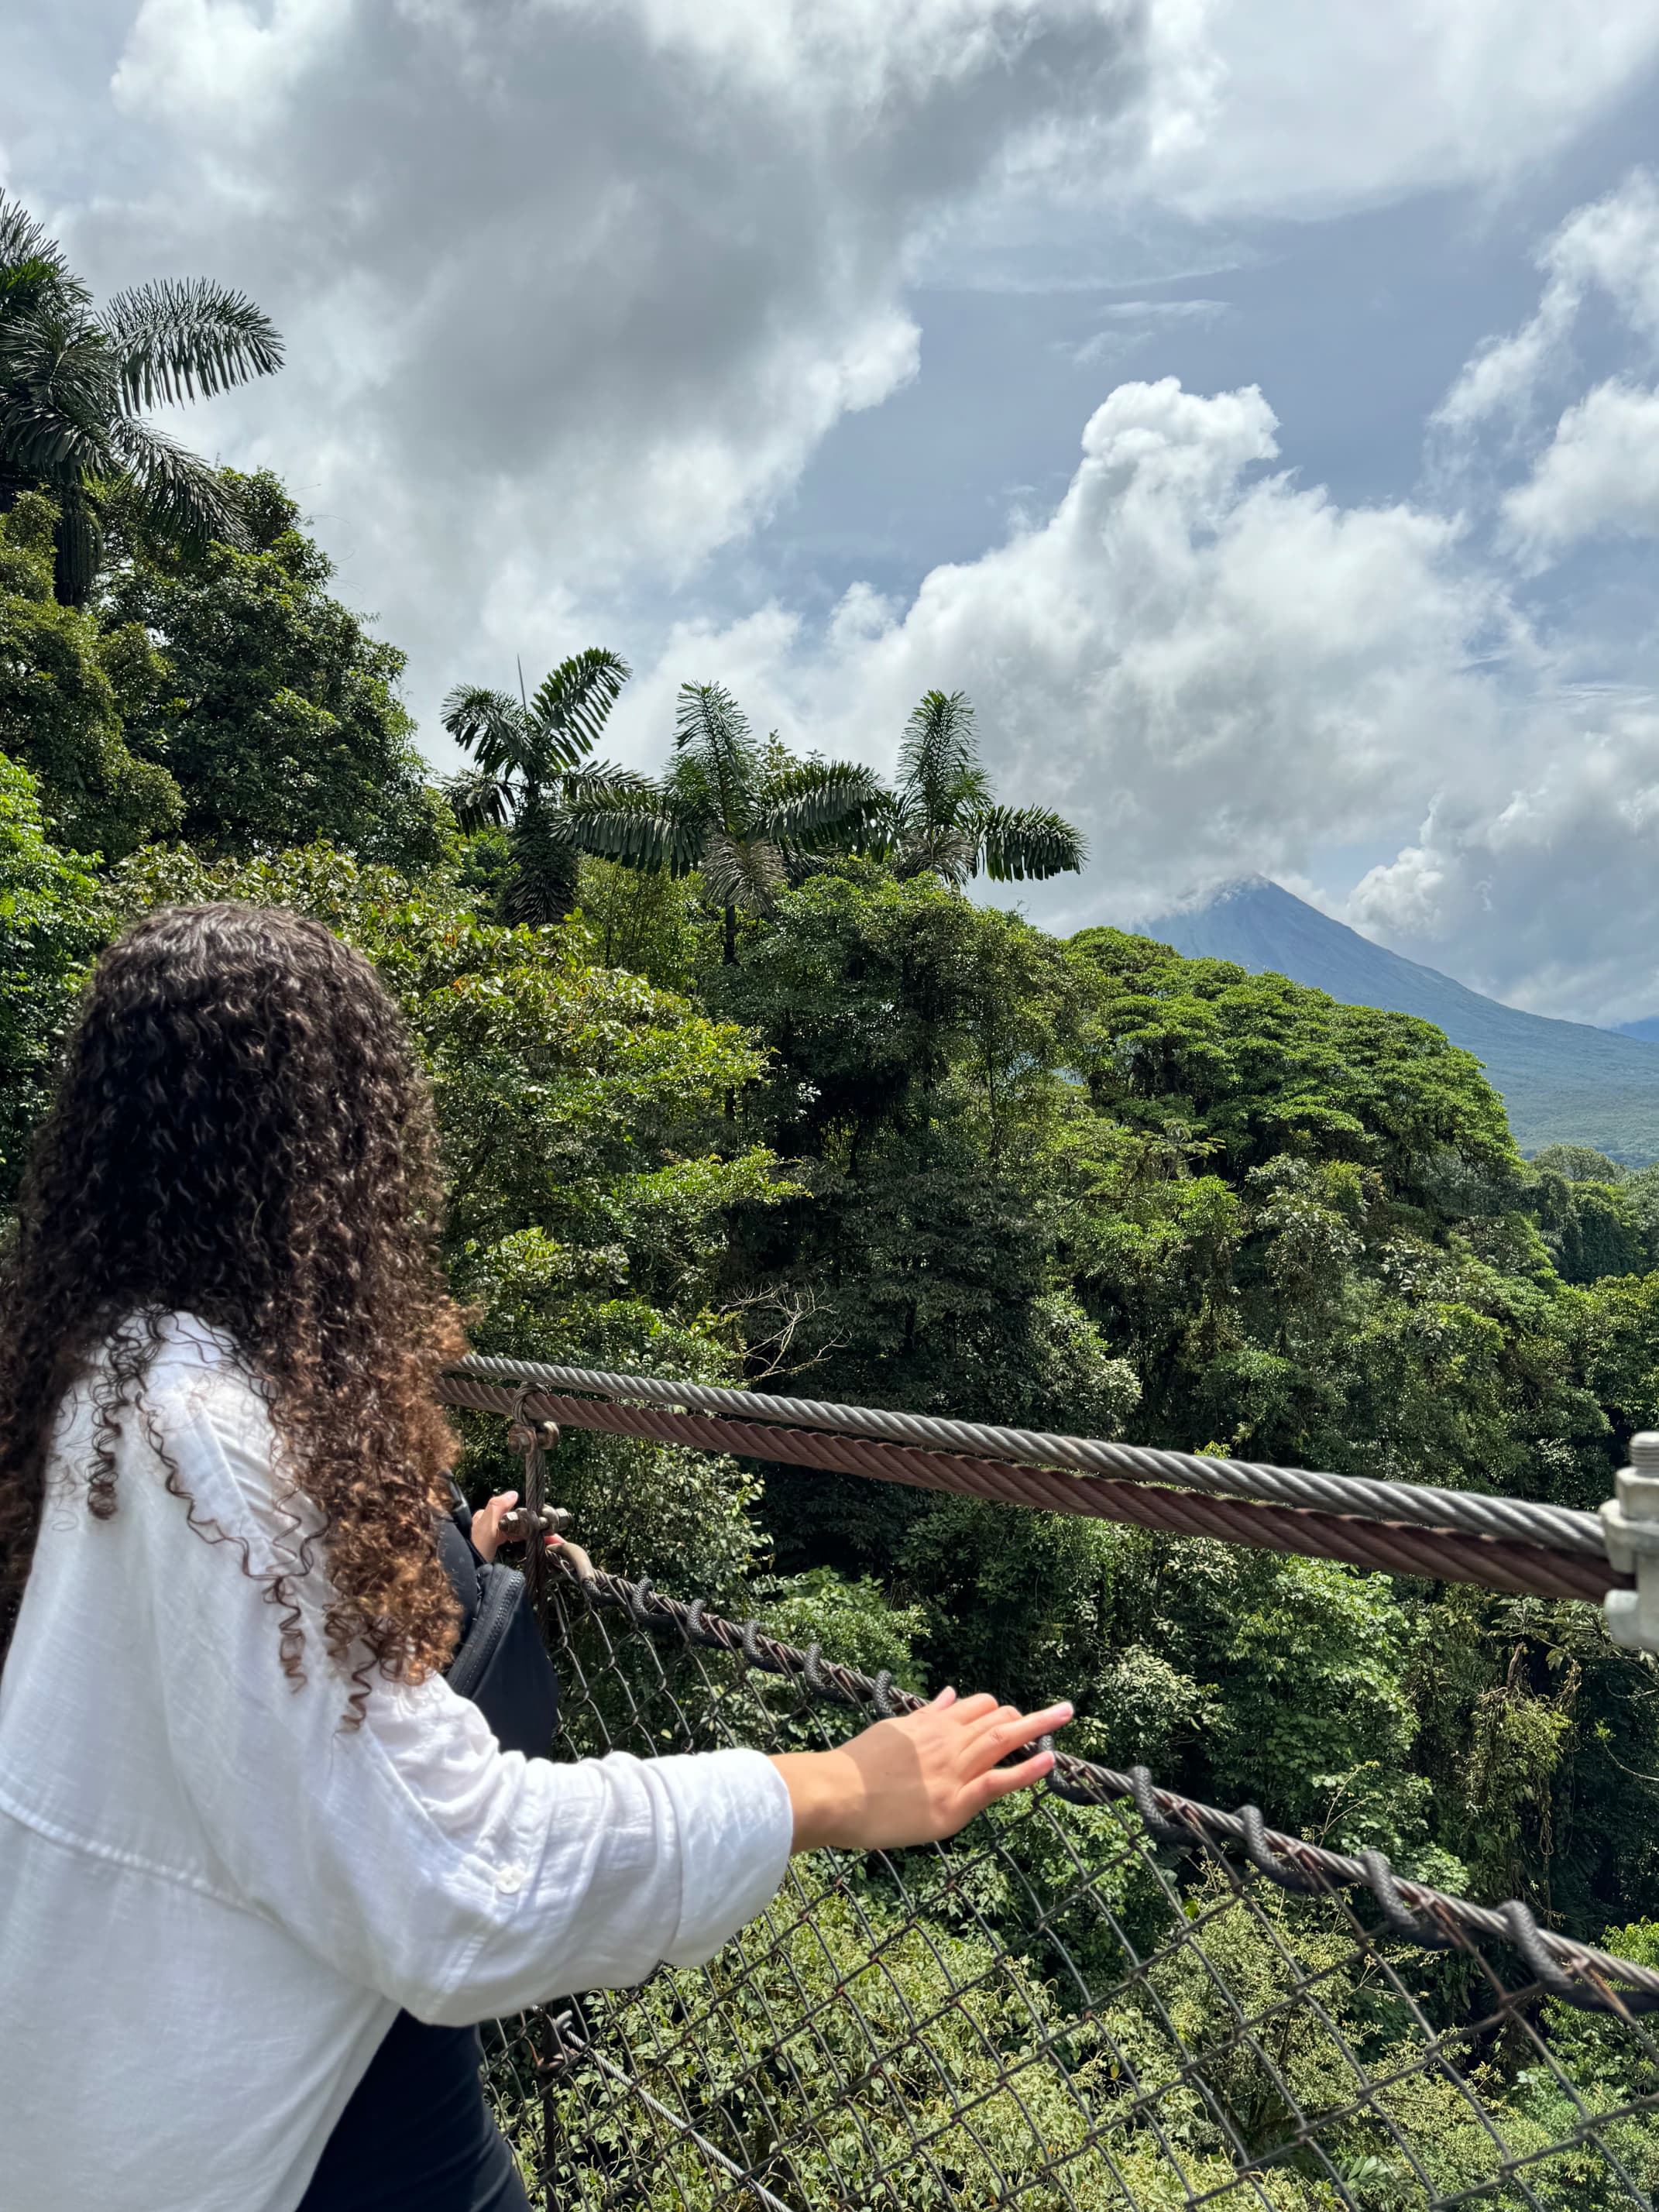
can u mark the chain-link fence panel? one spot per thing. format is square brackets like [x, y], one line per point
[1068, 2009]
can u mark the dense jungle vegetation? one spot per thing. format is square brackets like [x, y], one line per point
[736, 1082]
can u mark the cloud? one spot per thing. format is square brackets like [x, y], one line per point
[1301, 106]
[573, 291]
[1218, 670]
[1211, 668]
[1544, 882]
[1599, 472]
[1129, 324]
[1609, 247]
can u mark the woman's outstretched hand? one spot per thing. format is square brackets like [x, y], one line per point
[916, 1779]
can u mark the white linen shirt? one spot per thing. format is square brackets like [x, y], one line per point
[213, 1899]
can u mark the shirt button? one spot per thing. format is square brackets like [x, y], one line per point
[510, 1880]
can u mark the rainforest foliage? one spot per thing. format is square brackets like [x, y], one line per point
[787, 1103]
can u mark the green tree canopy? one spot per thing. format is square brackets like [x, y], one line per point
[65, 682]
[276, 711]
[74, 384]
[53, 917]
[1256, 1066]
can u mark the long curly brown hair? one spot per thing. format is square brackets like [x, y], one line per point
[241, 1132]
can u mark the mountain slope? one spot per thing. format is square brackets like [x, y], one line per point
[1562, 1082]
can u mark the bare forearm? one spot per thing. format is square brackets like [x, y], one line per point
[825, 1793]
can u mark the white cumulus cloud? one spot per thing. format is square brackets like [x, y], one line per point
[1295, 107]
[1610, 247]
[1544, 882]
[1213, 669]
[1600, 471]
[573, 291]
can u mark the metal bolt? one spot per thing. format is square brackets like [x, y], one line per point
[1631, 1521]
[1638, 1483]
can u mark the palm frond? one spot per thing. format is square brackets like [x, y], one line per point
[937, 749]
[178, 338]
[59, 396]
[573, 703]
[821, 799]
[32, 268]
[178, 492]
[492, 726]
[882, 827]
[747, 872]
[600, 779]
[711, 736]
[950, 850]
[477, 800]
[38, 443]
[643, 830]
[1016, 843]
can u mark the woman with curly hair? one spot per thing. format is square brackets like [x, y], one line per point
[243, 1818]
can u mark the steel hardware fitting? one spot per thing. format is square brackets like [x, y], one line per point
[1631, 1521]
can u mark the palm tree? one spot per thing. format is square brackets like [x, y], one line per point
[943, 819]
[747, 819]
[532, 771]
[73, 382]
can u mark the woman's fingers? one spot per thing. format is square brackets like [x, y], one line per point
[1006, 1729]
[976, 1708]
[998, 1719]
[1026, 1727]
[1003, 1781]
[916, 1779]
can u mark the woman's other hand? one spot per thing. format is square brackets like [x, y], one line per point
[487, 1523]
[916, 1779]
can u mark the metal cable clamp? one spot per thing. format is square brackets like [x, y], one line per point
[1631, 1520]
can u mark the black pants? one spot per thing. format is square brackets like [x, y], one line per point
[417, 2136]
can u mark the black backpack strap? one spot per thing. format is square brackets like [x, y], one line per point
[502, 1595]
[459, 1511]
[464, 1567]
[500, 1660]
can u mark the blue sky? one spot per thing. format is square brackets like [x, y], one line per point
[1250, 403]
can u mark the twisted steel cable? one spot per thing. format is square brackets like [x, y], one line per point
[1579, 1974]
[1556, 1528]
[1437, 1553]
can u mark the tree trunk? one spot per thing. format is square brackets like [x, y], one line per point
[731, 954]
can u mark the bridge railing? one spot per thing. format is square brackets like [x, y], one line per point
[1101, 1995]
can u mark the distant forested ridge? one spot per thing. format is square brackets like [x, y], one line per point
[772, 1096]
[1561, 1082]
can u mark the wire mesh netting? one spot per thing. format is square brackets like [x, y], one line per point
[1053, 2012]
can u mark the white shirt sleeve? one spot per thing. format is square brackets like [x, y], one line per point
[412, 1853]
